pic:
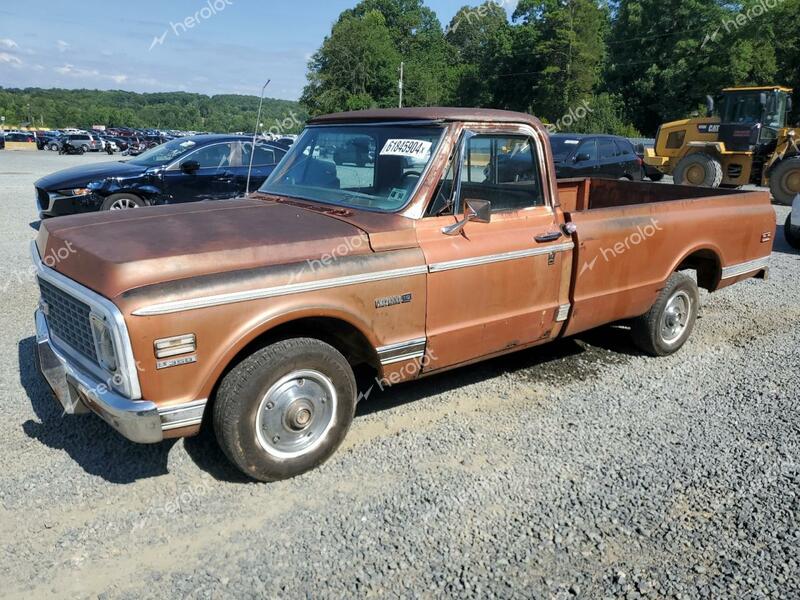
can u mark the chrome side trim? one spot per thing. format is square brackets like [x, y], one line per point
[182, 415]
[563, 312]
[402, 351]
[282, 290]
[493, 258]
[744, 268]
[122, 341]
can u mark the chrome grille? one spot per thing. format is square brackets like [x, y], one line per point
[68, 319]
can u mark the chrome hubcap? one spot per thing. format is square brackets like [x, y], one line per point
[676, 317]
[123, 204]
[296, 413]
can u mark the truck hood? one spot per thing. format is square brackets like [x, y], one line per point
[113, 252]
[82, 175]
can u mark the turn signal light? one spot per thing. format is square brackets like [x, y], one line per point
[175, 346]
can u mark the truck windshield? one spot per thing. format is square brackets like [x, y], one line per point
[741, 108]
[373, 167]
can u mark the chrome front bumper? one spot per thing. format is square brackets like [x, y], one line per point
[79, 393]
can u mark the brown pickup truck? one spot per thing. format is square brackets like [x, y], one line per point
[406, 241]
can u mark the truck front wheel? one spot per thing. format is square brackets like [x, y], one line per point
[664, 329]
[285, 409]
[699, 169]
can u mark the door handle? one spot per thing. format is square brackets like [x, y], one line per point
[548, 237]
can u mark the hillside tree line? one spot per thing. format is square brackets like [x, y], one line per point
[58, 108]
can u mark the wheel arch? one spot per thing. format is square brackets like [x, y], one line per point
[706, 261]
[340, 331]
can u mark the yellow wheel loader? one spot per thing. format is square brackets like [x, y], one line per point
[745, 138]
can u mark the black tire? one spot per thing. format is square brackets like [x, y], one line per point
[784, 180]
[53, 147]
[85, 148]
[699, 169]
[656, 177]
[792, 233]
[649, 331]
[119, 202]
[243, 394]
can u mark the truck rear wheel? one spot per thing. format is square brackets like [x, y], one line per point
[699, 169]
[792, 233]
[285, 409]
[664, 329]
[784, 180]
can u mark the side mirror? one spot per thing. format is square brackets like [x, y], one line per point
[789, 105]
[479, 211]
[709, 106]
[762, 99]
[190, 167]
[581, 157]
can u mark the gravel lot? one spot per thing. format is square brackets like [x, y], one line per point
[579, 469]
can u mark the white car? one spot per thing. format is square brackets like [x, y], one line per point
[792, 227]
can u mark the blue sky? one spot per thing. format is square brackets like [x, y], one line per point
[145, 45]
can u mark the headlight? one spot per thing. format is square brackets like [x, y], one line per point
[104, 344]
[75, 192]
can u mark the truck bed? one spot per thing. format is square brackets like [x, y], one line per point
[631, 236]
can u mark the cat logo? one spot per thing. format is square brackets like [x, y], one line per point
[708, 128]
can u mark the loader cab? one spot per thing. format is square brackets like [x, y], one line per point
[751, 118]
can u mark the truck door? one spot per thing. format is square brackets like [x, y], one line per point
[496, 285]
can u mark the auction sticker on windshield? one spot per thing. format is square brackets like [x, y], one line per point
[411, 148]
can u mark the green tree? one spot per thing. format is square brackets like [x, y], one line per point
[355, 68]
[570, 47]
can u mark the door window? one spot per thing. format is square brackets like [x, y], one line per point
[587, 151]
[625, 149]
[608, 150]
[265, 156]
[215, 156]
[503, 170]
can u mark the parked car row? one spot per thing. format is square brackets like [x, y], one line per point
[207, 167]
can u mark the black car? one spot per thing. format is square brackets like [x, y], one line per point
[600, 156]
[210, 167]
[651, 173]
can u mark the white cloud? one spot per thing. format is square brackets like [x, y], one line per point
[119, 78]
[74, 71]
[9, 59]
[62, 45]
[8, 43]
